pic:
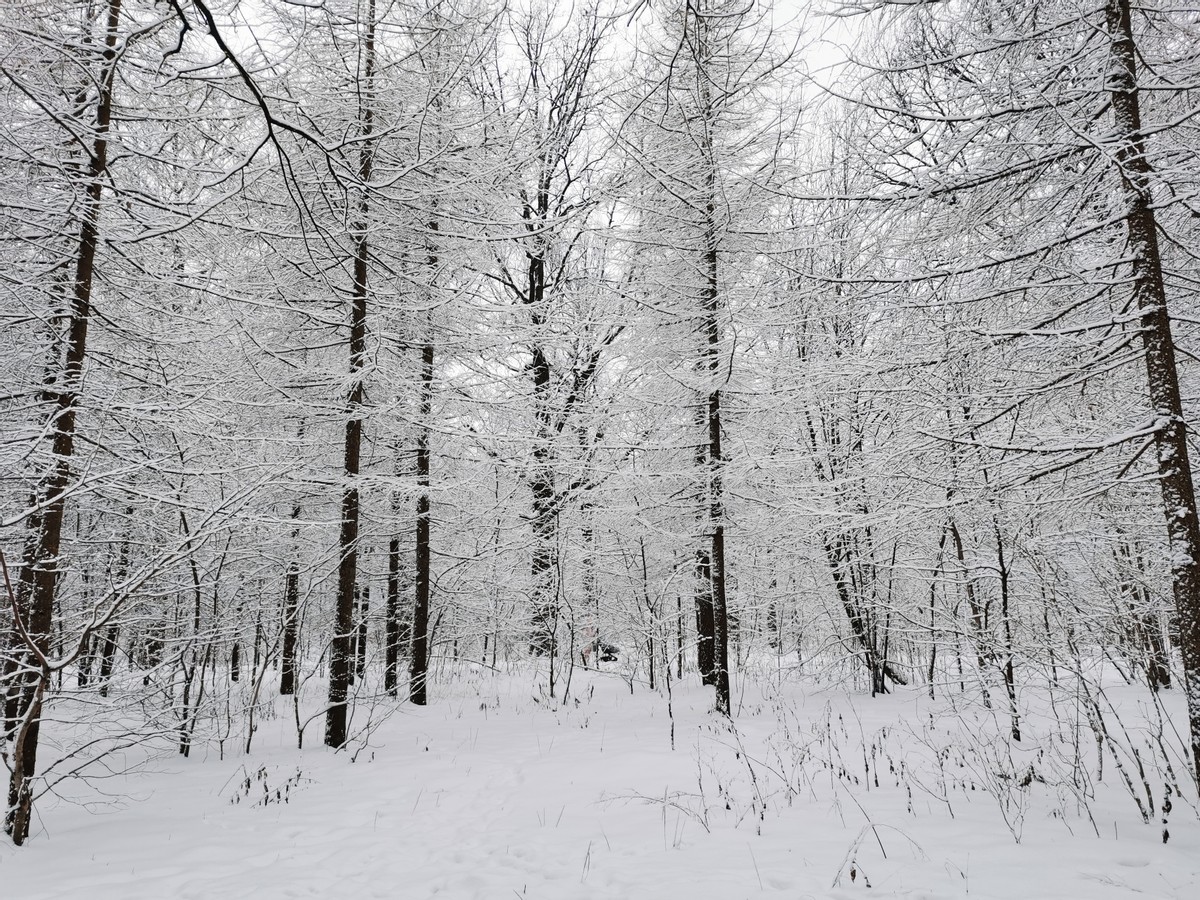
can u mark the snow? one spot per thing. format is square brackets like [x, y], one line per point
[490, 793]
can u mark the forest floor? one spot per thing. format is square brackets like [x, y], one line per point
[495, 791]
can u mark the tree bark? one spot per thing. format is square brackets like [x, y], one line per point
[340, 646]
[291, 603]
[391, 623]
[711, 365]
[291, 630]
[363, 593]
[705, 622]
[38, 580]
[1162, 379]
[419, 663]
[545, 515]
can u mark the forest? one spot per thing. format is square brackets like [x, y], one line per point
[755, 397]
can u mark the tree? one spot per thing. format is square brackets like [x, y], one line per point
[1129, 155]
[1025, 127]
[551, 109]
[340, 647]
[703, 136]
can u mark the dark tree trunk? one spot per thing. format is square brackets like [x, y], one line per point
[1006, 613]
[712, 638]
[360, 643]
[391, 624]
[839, 555]
[152, 650]
[108, 654]
[291, 629]
[291, 601]
[711, 363]
[1158, 660]
[715, 487]
[419, 649]
[83, 673]
[679, 639]
[339, 647]
[39, 575]
[979, 628]
[419, 662]
[1149, 291]
[705, 622]
[83, 667]
[198, 661]
[543, 569]
[108, 645]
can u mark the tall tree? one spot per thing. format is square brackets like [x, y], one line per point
[35, 597]
[1129, 154]
[551, 105]
[340, 662]
[1025, 136]
[702, 136]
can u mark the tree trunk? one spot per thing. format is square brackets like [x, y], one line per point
[543, 567]
[291, 602]
[291, 629]
[419, 663]
[339, 648]
[983, 650]
[1006, 614]
[711, 364]
[108, 653]
[391, 620]
[1149, 291]
[705, 622]
[39, 575]
[360, 641]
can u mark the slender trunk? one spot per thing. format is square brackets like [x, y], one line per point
[108, 644]
[420, 645]
[591, 594]
[1149, 291]
[1158, 659]
[291, 603]
[838, 555]
[419, 663]
[1008, 669]
[41, 556]
[187, 717]
[652, 619]
[83, 672]
[339, 647]
[978, 625]
[291, 629]
[705, 622]
[711, 356]
[391, 624]
[108, 654]
[678, 637]
[360, 643]
[545, 519]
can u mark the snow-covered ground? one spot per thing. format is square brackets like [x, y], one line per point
[491, 793]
